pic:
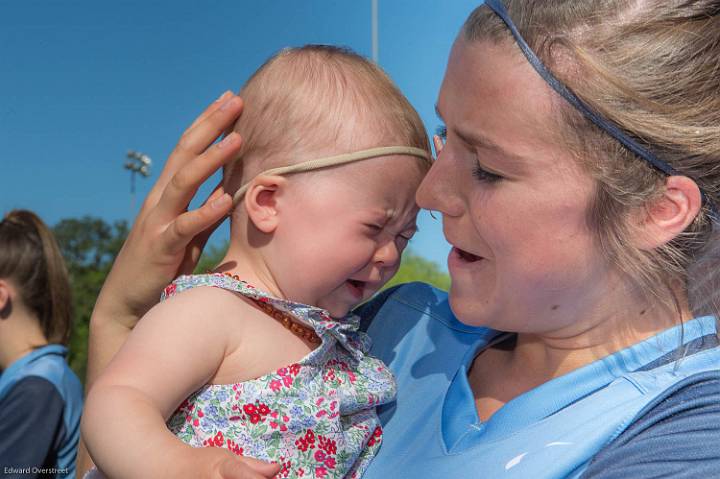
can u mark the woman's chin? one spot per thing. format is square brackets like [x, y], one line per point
[469, 308]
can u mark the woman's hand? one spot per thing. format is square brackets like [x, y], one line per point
[166, 240]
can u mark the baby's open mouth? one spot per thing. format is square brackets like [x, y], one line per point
[356, 287]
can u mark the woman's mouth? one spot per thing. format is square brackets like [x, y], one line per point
[465, 256]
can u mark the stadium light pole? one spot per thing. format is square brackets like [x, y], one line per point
[137, 163]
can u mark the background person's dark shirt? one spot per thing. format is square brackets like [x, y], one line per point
[31, 427]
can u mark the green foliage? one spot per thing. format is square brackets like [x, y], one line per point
[211, 258]
[89, 246]
[416, 268]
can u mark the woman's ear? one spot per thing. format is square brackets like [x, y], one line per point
[5, 299]
[262, 200]
[670, 214]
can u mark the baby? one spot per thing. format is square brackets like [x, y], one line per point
[260, 358]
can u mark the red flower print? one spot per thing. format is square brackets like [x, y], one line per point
[287, 381]
[200, 413]
[319, 401]
[327, 445]
[234, 447]
[255, 418]
[320, 413]
[310, 435]
[263, 409]
[170, 290]
[275, 385]
[294, 369]
[377, 432]
[219, 439]
[285, 469]
[301, 472]
[196, 423]
[283, 427]
[330, 462]
[302, 444]
[282, 371]
[320, 471]
[319, 455]
[273, 424]
[249, 409]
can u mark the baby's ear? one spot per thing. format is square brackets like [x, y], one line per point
[261, 201]
[670, 214]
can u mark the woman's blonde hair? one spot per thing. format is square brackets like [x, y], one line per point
[31, 259]
[307, 98]
[652, 68]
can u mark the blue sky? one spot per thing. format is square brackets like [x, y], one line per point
[84, 81]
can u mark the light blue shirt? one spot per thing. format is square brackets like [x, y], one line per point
[552, 431]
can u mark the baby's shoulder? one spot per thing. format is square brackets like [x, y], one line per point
[211, 304]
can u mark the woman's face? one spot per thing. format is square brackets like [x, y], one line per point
[514, 202]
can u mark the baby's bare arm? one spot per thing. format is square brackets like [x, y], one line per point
[175, 349]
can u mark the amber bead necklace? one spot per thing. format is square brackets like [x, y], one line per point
[300, 330]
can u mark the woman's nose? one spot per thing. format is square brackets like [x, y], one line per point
[438, 190]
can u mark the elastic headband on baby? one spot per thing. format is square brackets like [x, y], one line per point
[603, 123]
[337, 160]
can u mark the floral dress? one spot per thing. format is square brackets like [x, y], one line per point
[316, 418]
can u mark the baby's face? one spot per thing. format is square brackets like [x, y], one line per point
[346, 230]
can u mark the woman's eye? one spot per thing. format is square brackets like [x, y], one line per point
[441, 131]
[483, 175]
[374, 228]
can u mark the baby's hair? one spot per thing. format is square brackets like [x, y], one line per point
[31, 259]
[651, 68]
[306, 102]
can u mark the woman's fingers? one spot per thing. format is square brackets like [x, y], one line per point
[193, 223]
[210, 109]
[437, 141]
[193, 143]
[184, 184]
[195, 248]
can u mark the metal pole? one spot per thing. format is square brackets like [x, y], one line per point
[132, 195]
[375, 44]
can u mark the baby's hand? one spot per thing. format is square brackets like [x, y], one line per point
[218, 463]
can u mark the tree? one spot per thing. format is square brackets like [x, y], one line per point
[414, 267]
[89, 246]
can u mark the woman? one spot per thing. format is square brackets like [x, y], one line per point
[40, 396]
[579, 189]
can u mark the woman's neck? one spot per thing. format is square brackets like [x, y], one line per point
[539, 357]
[20, 334]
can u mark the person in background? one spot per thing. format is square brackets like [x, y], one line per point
[40, 396]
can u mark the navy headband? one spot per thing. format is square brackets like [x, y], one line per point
[602, 123]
